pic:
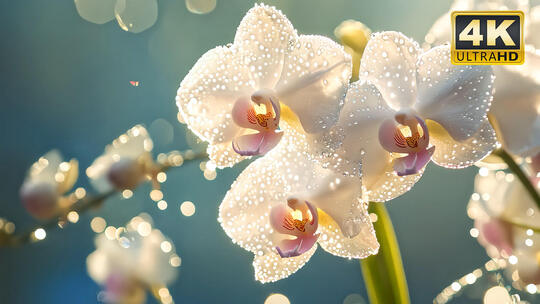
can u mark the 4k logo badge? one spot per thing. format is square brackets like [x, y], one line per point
[487, 37]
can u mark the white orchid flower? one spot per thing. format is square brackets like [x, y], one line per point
[132, 259]
[47, 180]
[409, 107]
[516, 103]
[282, 204]
[236, 96]
[126, 162]
[508, 222]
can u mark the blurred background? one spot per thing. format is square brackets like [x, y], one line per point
[66, 84]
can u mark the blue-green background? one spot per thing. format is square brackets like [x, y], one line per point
[65, 84]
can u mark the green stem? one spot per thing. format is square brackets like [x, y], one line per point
[383, 273]
[516, 169]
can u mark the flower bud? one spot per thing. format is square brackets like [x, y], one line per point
[123, 289]
[40, 199]
[126, 173]
[353, 34]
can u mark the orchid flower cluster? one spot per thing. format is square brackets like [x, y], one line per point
[505, 215]
[327, 147]
[132, 259]
[333, 128]
[507, 222]
[126, 163]
[128, 260]
[516, 100]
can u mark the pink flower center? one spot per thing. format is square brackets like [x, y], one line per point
[406, 134]
[260, 115]
[299, 220]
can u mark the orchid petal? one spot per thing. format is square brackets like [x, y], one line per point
[450, 153]
[457, 97]
[256, 144]
[314, 81]
[362, 245]
[356, 132]
[498, 234]
[389, 62]
[40, 199]
[515, 112]
[267, 182]
[262, 38]
[44, 170]
[208, 93]
[224, 155]
[496, 201]
[339, 197]
[413, 163]
[519, 204]
[531, 68]
[271, 267]
[360, 153]
[70, 176]
[281, 175]
[291, 248]
[129, 154]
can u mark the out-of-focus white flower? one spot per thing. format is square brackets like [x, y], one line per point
[508, 222]
[515, 113]
[409, 107]
[132, 15]
[201, 6]
[129, 260]
[282, 204]
[47, 180]
[126, 162]
[235, 96]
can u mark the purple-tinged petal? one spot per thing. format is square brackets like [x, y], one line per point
[498, 234]
[256, 144]
[413, 163]
[292, 248]
[248, 145]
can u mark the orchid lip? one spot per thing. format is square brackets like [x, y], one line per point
[297, 219]
[260, 113]
[406, 134]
